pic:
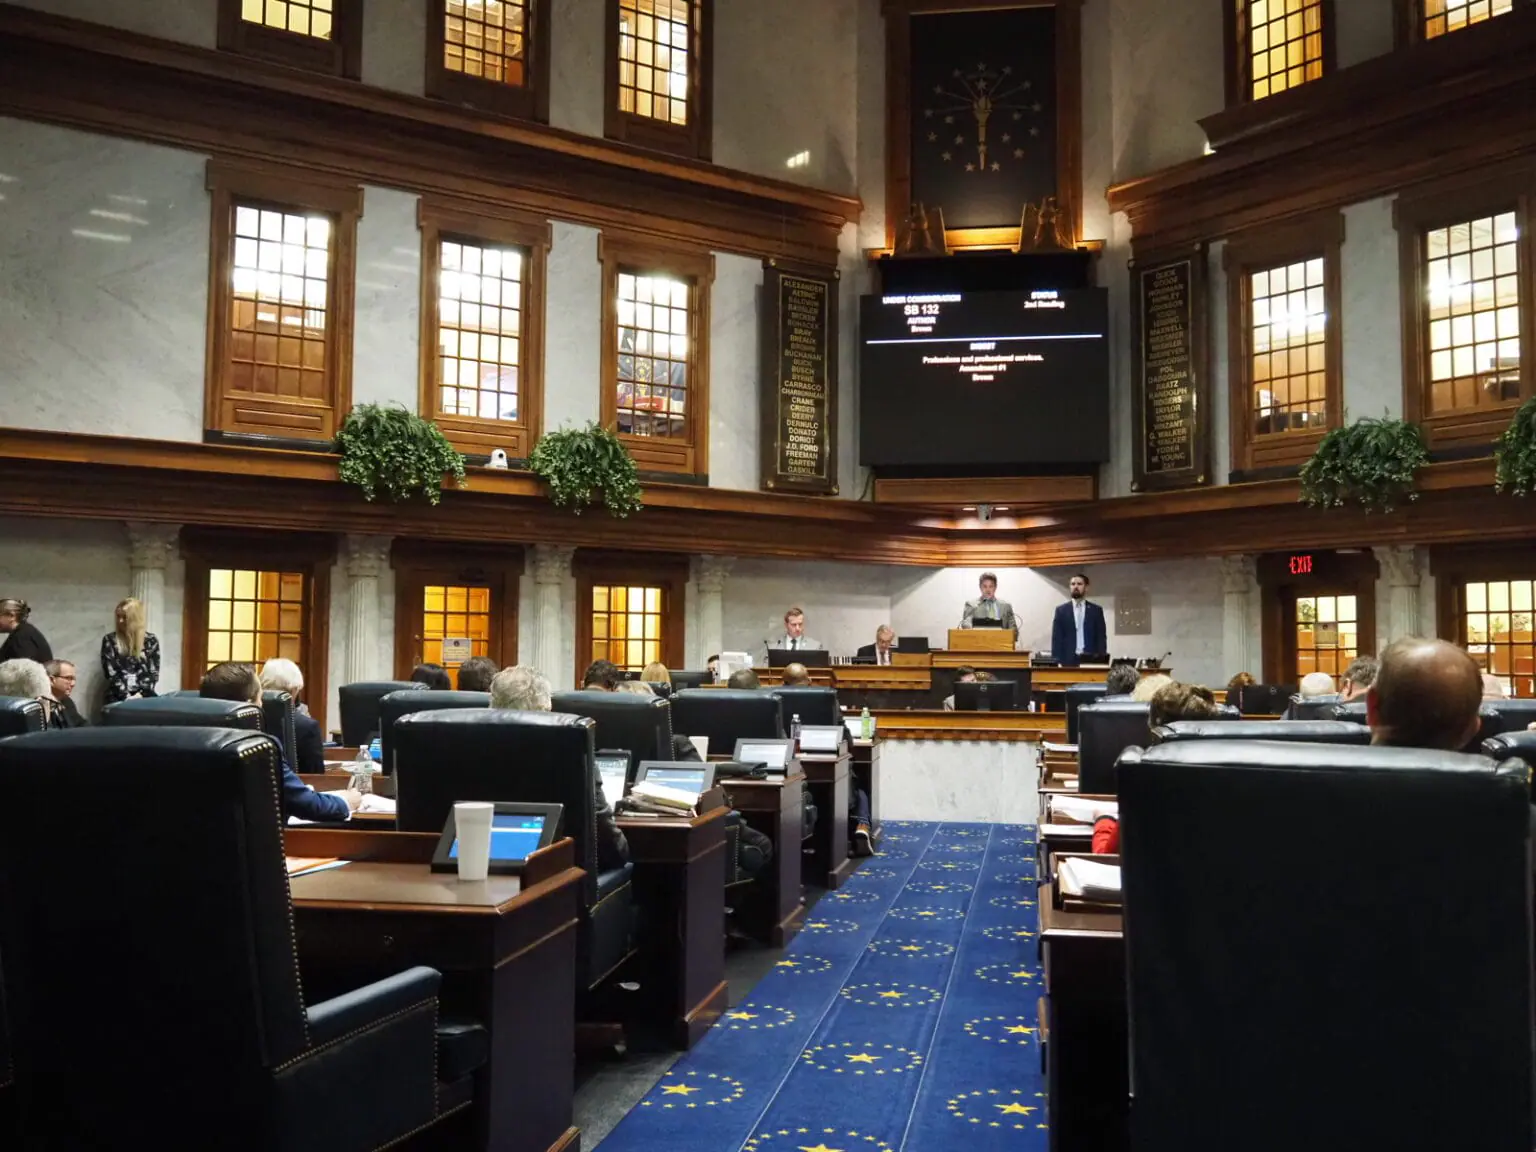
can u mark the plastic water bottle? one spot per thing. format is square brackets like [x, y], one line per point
[363, 770]
[866, 724]
[794, 730]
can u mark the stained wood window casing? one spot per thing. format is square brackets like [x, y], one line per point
[483, 357]
[644, 49]
[493, 56]
[1275, 46]
[488, 576]
[280, 307]
[1273, 347]
[316, 35]
[645, 376]
[1468, 296]
[598, 572]
[1418, 20]
[1484, 604]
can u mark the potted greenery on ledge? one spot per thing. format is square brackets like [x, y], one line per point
[582, 464]
[393, 452]
[1370, 462]
[1515, 453]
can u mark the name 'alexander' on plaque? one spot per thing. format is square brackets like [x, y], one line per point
[1167, 368]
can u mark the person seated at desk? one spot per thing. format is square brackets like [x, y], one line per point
[794, 638]
[476, 674]
[744, 678]
[62, 679]
[280, 675]
[26, 679]
[1149, 686]
[1173, 701]
[240, 684]
[1121, 682]
[656, 673]
[434, 676]
[1358, 678]
[796, 675]
[1078, 626]
[965, 674]
[602, 676]
[524, 689]
[1315, 684]
[880, 651]
[988, 606]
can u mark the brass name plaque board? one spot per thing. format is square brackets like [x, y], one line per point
[1168, 309]
[799, 383]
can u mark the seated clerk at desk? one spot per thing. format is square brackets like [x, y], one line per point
[280, 675]
[880, 651]
[1078, 626]
[794, 638]
[965, 674]
[988, 606]
[1173, 701]
[524, 689]
[240, 684]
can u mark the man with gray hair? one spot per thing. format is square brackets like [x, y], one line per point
[61, 681]
[1122, 680]
[521, 689]
[280, 674]
[1315, 684]
[28, 680]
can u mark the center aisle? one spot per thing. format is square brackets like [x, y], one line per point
[902, 1019]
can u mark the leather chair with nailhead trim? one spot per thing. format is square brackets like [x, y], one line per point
[398, 704]
[639, 725]
[359, 704]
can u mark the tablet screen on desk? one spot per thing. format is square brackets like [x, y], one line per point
[512, 837]
[517, 832]
[774, 754]
[693, 778]
[821, 738]
[613, 771]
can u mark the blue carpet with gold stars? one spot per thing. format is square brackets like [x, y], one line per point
[902, 1019]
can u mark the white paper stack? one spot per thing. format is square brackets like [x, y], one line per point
[1089, 880]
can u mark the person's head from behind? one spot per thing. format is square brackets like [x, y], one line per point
[520, 688]
[885, 636]
[1149, 686]
[603, 676]
[1358, 678]
[25, 678]
[796, 676]
[476, 674]
[280, 675]
[1122, 680]
[434, 676]
[965, 674]
[656, 673]
[61, 677]
[13, 614]
[1426, 695]
[1315, 684]
[1178, 701]
[1238, 683]
[1078, 586]
[231, 681]
[794, 623]
[743, 678]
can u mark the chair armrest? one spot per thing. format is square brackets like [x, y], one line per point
[334, 1018]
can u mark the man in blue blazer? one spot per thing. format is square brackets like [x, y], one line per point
[1078, 626]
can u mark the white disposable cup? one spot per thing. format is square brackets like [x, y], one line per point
[702, 744]
[472, 822]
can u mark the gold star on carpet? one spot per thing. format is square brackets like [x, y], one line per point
[1027, 84]
[892, 995]
[1036, 108]
[911, 947]
[741, 1015]
[1020, 1030]
[1014, 1109]
[938, 89]
[678, 1090]
[787, 964]
[822, 1147]
[1018, 115]
[817, 924]
[949, 119]
[862, 1058]
[1022, 974]
[1008, 71]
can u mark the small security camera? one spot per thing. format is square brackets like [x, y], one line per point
[984, 511]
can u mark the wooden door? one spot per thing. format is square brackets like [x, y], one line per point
[451, 606]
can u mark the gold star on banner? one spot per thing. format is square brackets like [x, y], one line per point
[862, 1058]
[817, 924]
[1021, 1030]
[741, 1015]
[1022, 974]
[996, 167]
[892, 995]
[943, 155]
[970, 167]
[959, 139]
[678, 1090]
[1006, 137]
[928, 112]
[1034, 131]
[1013, 1109]
[928, 913]
[932, 136]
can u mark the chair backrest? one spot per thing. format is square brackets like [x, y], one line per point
[1520, 744]
[814, 705]
[1514, 715]
[177, 863]
[1105, 730]
[21, 714]
[1076, 695]
[360, 707]
[182, 712]
[1290, 731]
[398, 704]
[1316, 707]
[443, 757]
[1283, 986]
[641, 726]
[277, 722]
[1489, 722]
[725, 715]
[1353, 712]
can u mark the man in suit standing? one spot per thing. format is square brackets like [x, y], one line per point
[794, 638]
[988, 606]
[1079, 625]
[880, 651]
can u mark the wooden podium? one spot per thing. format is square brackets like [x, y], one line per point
[981, 640]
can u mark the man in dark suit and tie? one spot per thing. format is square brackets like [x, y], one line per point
[1078, 626]
[880, 651]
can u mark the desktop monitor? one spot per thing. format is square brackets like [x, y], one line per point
[912, 645]
[773, 754]
[684, 775]
[691, 679]
[517, 832]
[987, 696]
[1262, 699]
[810, 657]
[987, 622]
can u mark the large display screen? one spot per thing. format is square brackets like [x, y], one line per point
[984, 378]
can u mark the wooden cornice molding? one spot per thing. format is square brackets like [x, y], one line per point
[100, 79]
[1386, 124]
[954, 491]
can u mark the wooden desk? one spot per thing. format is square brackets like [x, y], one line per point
[774, 677]
[506, 947]
[825, 861]
[772, 907]
[680, 885]
[866, 774]
[877, 678]
[1086, 1064]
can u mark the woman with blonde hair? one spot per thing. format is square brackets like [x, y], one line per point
[130, 657]
[656, 673]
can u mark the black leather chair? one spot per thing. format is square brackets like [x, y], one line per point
[1076, 695]
[204, 1038]
[814, 705]
[1519, 744]
[277, 722]
[1289, 731]
[442, 757]
[360, 707]
[1490, 723]
[726, 715]
[1354, 973]
[1314, 707]
[21, 714]
[1515, 714]
[641, 726]
[1105, 730]
[398, 704]
[182, 712]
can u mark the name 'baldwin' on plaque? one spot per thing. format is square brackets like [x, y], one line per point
[799, 382]
[1172, 384]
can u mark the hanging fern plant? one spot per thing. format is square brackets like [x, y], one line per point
[394, 453]
[581, 465]
[1515, 453]
[1372, 462]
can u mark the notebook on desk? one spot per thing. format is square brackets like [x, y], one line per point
[1080, 879]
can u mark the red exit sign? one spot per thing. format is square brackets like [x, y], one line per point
[1301, 565]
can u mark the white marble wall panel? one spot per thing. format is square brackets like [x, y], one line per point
[576, 63]
[387, 340]
[104, 253]
[1221, 397]
[734, 371]
[563, 674]
[1372, 315]
[843, 603]
[989, 781]
[1166, 65]
[328, 711]
[189, 21]
[573, 328]
[395, 45]
[857, 279]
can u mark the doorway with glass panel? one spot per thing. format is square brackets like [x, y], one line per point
[450, 607]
